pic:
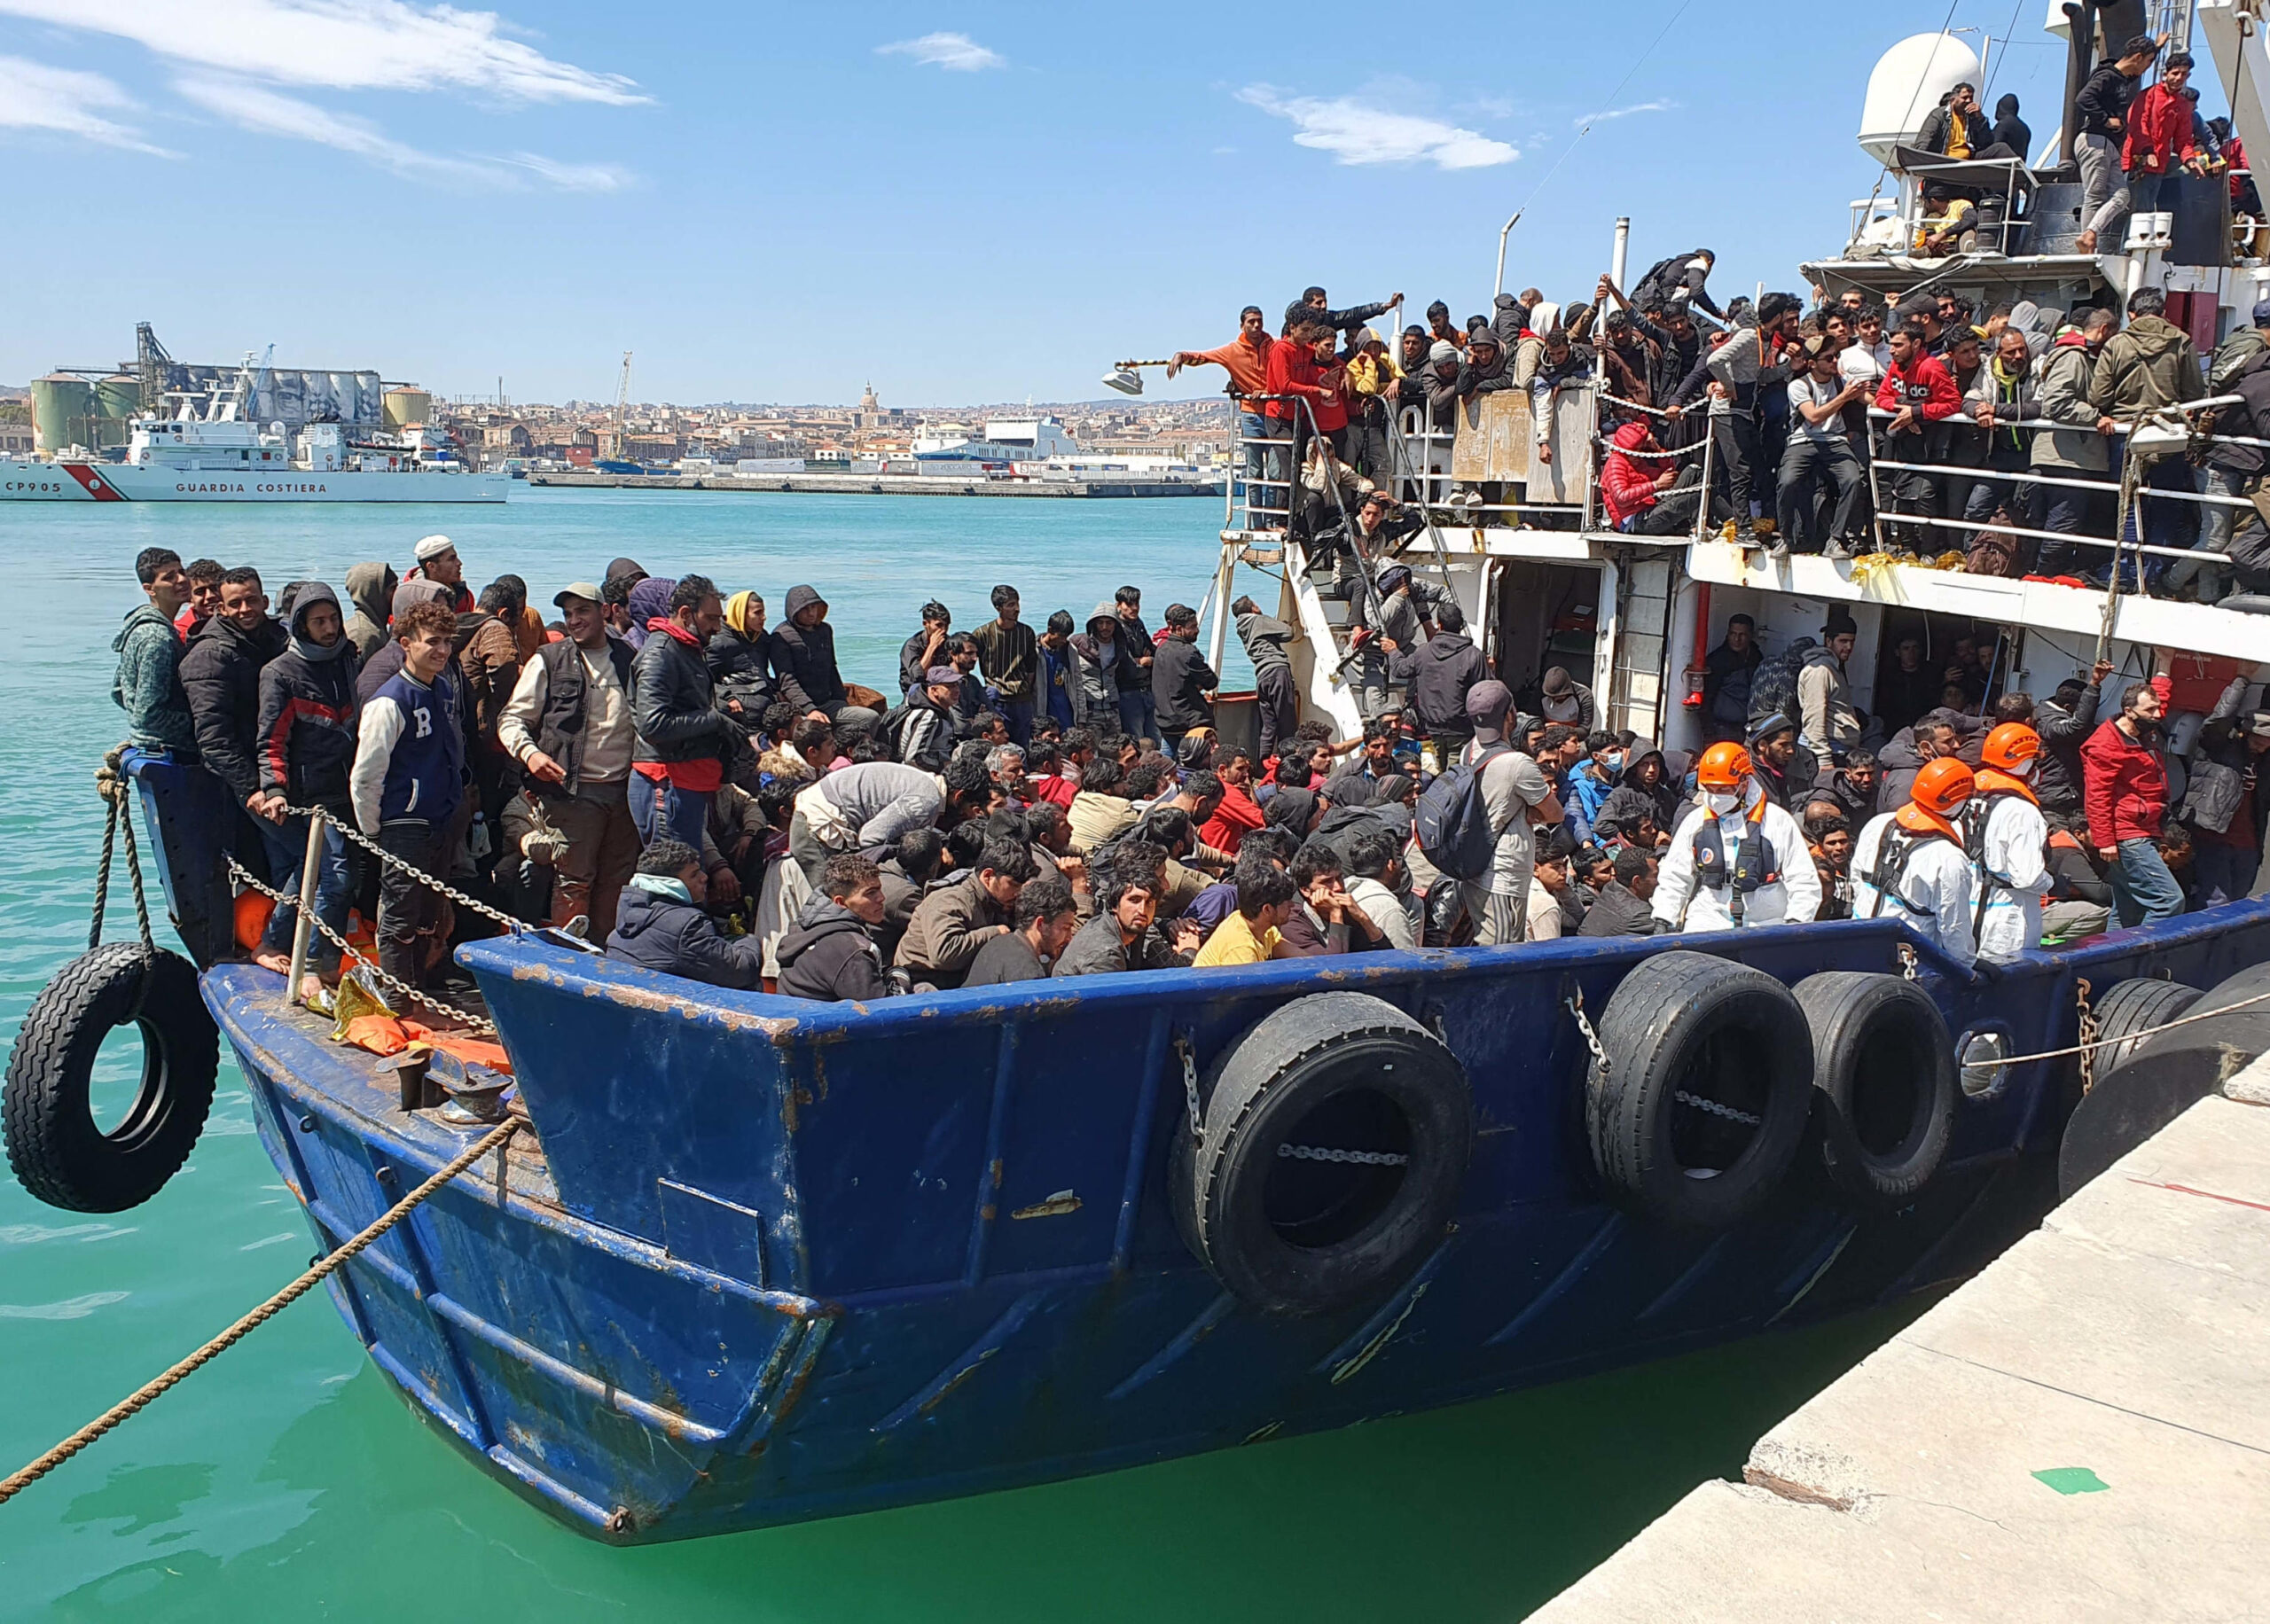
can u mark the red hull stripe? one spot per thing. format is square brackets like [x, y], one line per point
[93, 483]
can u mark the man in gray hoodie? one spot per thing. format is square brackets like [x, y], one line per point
[2077, 449]
[148, 685]
[370, 588]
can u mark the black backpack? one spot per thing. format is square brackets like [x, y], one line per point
[1665, 278]
[1451, 824]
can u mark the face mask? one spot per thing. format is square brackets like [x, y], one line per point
[1611, 762]
[1721, 801]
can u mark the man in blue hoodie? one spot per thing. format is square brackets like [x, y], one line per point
[407, 780]
[662, 925]
[148, 685]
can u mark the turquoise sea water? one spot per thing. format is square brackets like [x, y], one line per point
[285, 1481]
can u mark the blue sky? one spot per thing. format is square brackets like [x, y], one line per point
[962, 203]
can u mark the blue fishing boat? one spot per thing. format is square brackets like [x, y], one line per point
[756, 1260]
[747, 1260]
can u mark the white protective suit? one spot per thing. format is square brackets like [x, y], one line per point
[1682, 903]
[2015, 877]
[1935, 892]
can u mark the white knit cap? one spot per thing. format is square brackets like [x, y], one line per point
[432, 547]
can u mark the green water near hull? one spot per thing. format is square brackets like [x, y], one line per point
[286, 1481]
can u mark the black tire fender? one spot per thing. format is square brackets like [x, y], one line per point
[1705, 1092]
[1292, 1234]
[2145, 1083]
[58, 1152]
[2134, 1006]
[1885, 1083]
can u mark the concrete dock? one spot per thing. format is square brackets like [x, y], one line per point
[885, 485]
[2082, 1432]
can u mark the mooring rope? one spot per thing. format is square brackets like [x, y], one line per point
[17, 1481]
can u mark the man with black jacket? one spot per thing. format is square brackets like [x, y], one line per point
[220, 675]
[1182, 684]
[568, 724]
[802, 647]
[306, 734]
[2225, 804]
[1443, 671]
[685, 741]
[2064, 723]
[1311, 308]
[2102, 109]
[2231, 469]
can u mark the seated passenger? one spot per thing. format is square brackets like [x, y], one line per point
[1125, 935]
[1101, 808]
[955, 919]
[1621, 907]
[1045, 922]
[1912, 861]
[2080, 898]
[830, 953]
[661, 925]
[1253, 931]
[1326, 919]
[1381, 887]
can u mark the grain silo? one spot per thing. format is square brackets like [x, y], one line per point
[408, 408]
[61, 405]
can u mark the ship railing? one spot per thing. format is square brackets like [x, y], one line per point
[2130, 504]
[1423, 454]
[1293, 449]
[1707, 446]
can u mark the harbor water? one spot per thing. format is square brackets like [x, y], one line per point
[286, 1479]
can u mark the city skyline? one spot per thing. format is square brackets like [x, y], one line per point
[997, 204]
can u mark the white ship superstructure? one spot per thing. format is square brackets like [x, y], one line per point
[209, 449]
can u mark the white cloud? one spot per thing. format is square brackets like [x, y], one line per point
[573, 176]
[339, 44]
[268, 112]
[1355, 132]
[34, 95]
[1605, 114]
[957, 53]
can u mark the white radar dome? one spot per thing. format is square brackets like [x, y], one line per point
[1907, 83]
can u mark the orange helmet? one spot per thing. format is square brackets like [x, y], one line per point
[2011, 746]
[1722, 767]
[1941, 788]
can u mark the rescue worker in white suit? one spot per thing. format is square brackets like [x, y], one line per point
[2012, 836]
[1737, 859]
[1912, 864]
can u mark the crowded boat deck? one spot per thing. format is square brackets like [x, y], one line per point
[1721, 775]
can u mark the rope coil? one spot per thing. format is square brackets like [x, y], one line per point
[17, 1481]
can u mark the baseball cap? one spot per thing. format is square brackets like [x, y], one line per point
[432, 547]
[584, 589]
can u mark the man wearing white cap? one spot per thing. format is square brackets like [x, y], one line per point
[568, 724]
[438, 562]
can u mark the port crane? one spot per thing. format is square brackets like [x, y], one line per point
[622, 408]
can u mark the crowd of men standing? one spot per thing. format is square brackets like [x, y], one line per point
[659, 769]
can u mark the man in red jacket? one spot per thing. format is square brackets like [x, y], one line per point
[1291, 370]
[2159, 136]
[1920, 393]
[2124, 787]
[1652, 497]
